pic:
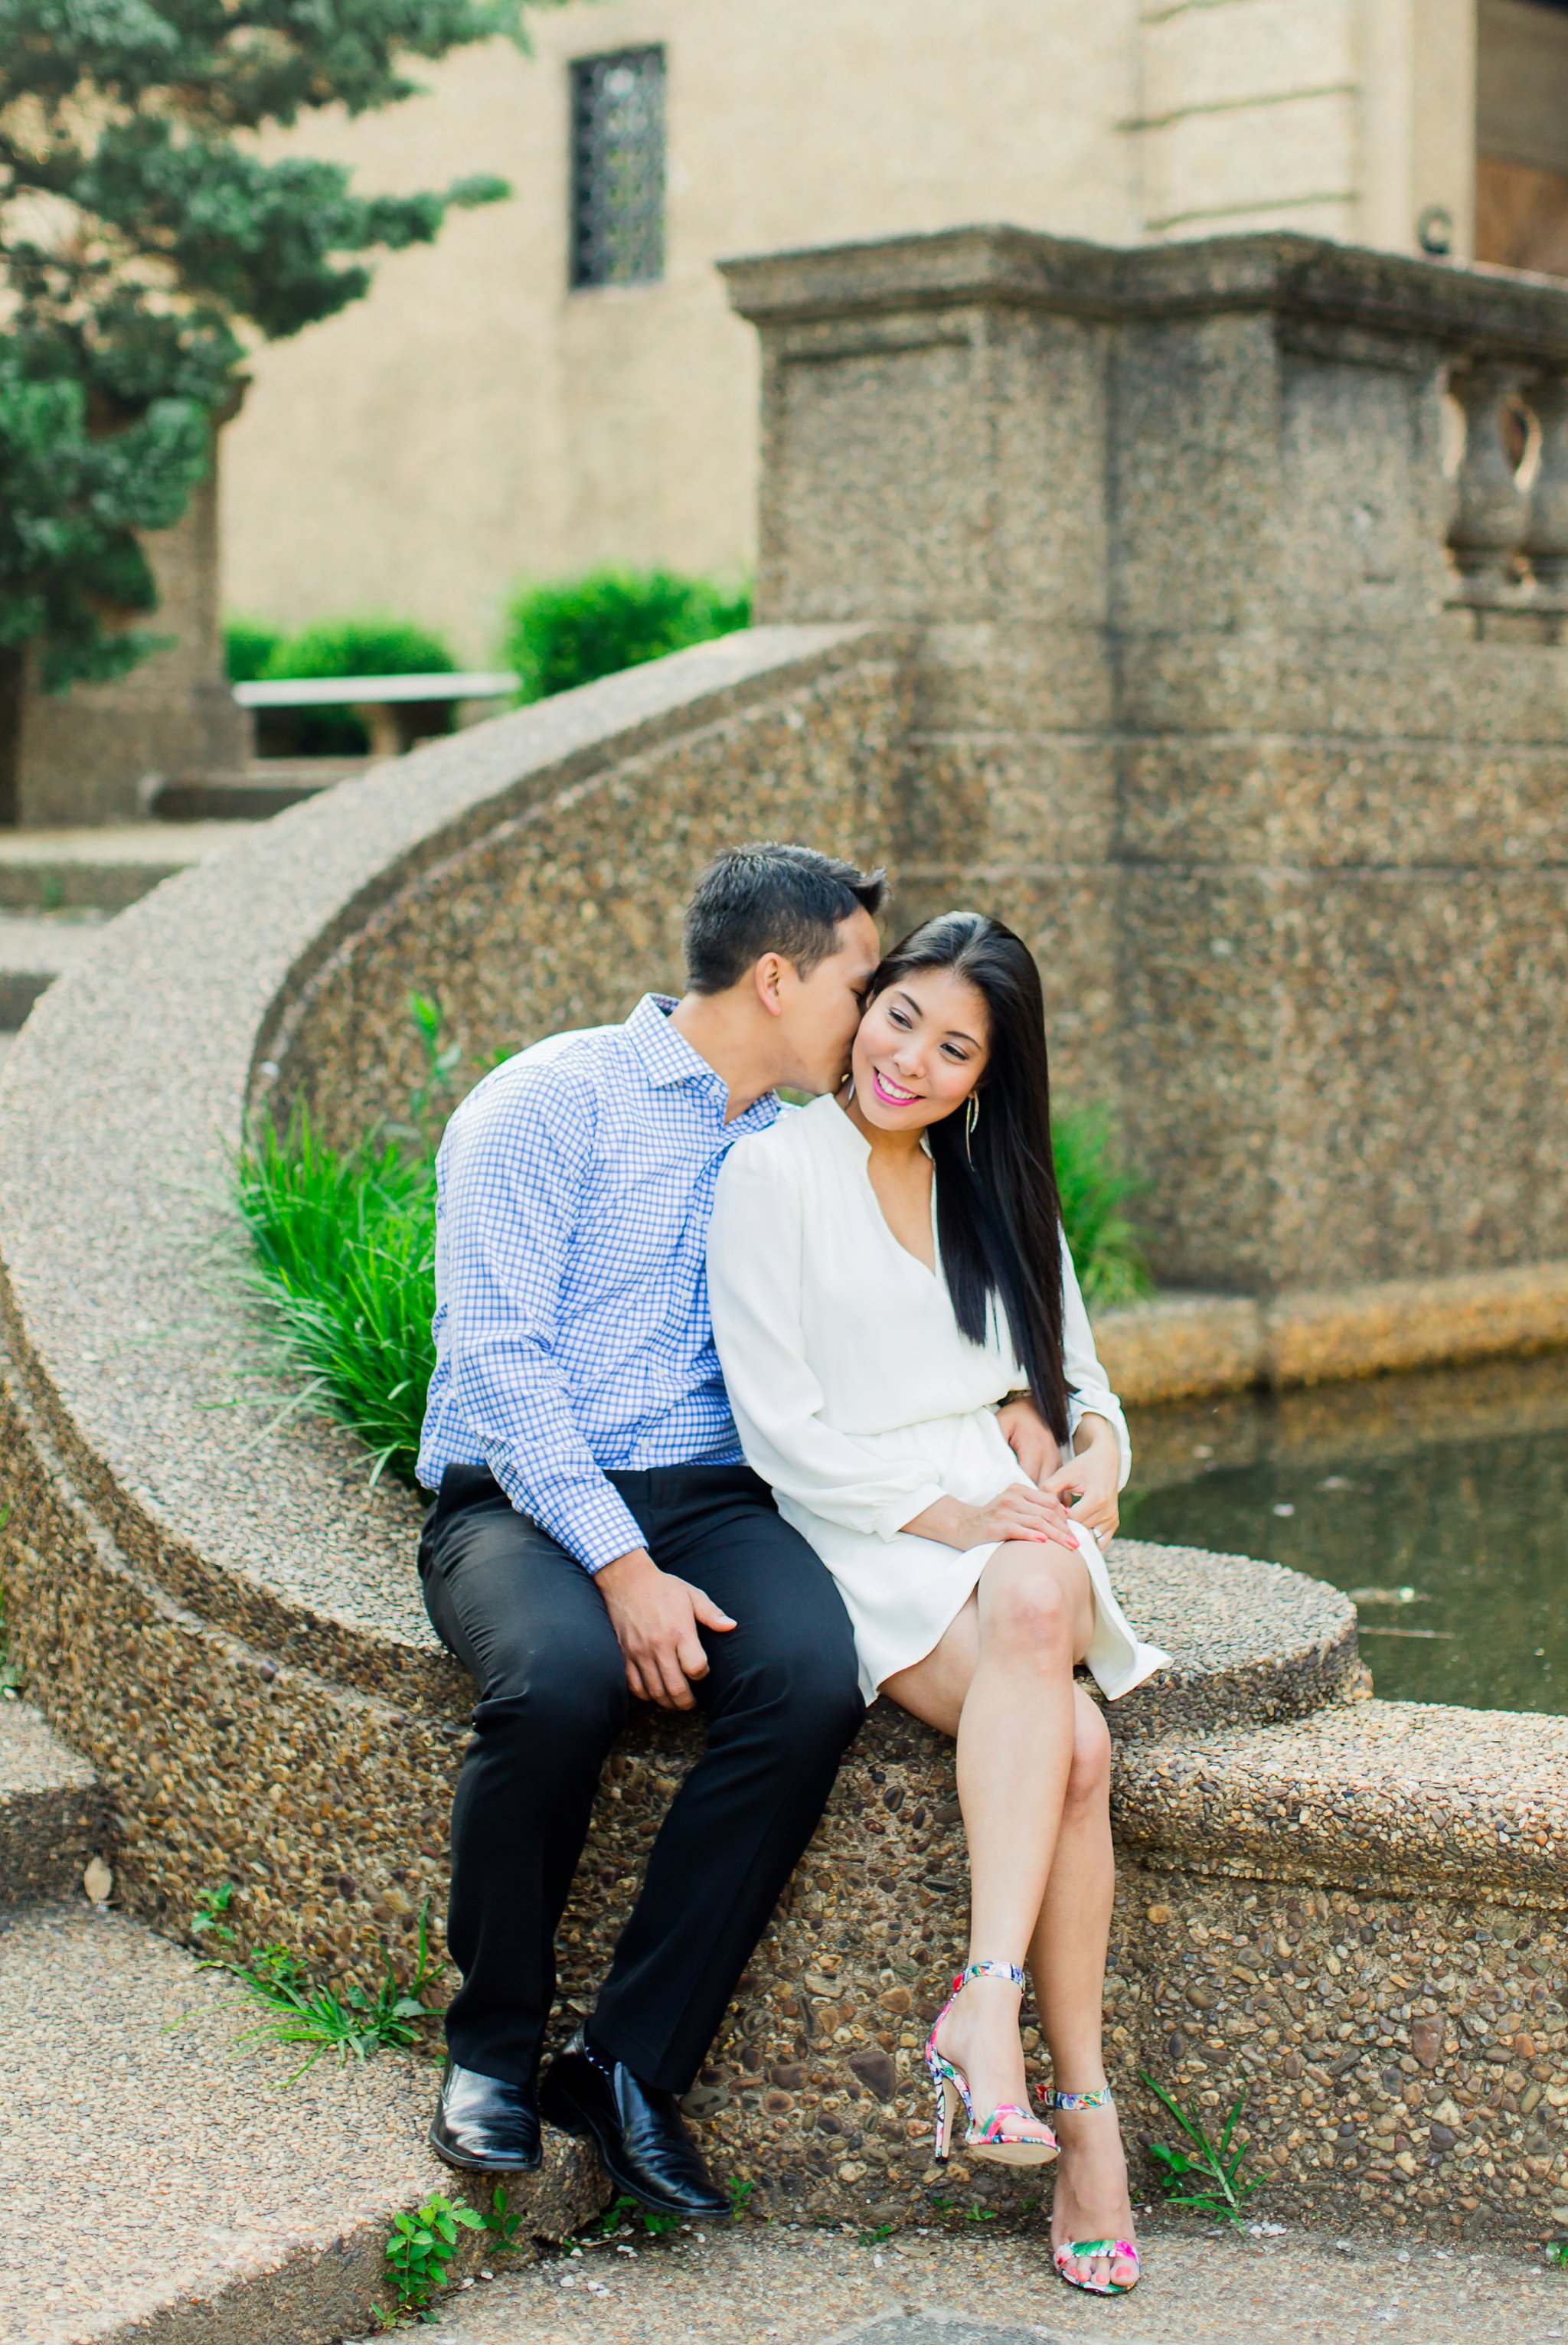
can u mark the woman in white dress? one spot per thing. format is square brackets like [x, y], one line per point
[911, 1369]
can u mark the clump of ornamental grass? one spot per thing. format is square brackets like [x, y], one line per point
[1096, 1185]
[344, 1269]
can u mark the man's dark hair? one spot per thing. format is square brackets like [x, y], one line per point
[763, 897]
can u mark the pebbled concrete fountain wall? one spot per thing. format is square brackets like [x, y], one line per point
[1347, 1907]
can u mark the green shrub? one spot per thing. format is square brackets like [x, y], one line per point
[247, 648]
[570, 632]
[374, 644]
[1096, 1185]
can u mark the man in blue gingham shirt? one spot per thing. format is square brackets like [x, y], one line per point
[572, 1332]
[597, 1533]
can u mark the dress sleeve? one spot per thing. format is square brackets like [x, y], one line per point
[1088, 1392]
[755, 1258]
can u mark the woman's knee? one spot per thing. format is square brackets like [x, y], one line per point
[1089, 1775]
[1031, 1605]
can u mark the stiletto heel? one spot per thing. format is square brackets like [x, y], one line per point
[1092, 2250]
[995, 2138]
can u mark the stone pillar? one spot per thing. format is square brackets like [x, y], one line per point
[1207, 709]
[79, 757]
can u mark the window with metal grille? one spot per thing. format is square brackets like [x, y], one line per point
[617, 168]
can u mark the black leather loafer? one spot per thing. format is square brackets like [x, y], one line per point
[483, 2124]
[643, 2142]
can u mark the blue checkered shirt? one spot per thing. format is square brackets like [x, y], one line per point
[574, 1187]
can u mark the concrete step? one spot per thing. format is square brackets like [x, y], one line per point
[99, 870]
[35, 949]
[960, 2283]
[52, 1821]
[267, 786]
[161, 2183]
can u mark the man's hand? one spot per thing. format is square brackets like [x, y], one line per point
[655, 1617]
[1030, 1439]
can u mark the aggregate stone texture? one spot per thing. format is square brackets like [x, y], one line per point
[162, 2182]
[1193, 711]
[964, 2284]
[51, 1808]
[219, 1612]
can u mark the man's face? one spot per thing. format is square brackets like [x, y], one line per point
[820, 1013]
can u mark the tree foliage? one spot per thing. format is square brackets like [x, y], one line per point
[148, 239]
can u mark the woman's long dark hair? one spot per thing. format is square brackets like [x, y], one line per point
[999, 1217]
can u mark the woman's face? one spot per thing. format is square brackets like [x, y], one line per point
[921, 1048]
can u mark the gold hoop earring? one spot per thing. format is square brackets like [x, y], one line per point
[971, 1118]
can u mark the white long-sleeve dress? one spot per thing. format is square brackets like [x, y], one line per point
[858, 1400]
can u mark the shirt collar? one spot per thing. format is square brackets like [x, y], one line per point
[667, 1055]
[668, 1058]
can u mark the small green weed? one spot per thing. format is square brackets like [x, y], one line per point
[502, 2225]
[211, 1919]
[435, 1094]
[419, 2251]
[975, 2214]
[1207, 2176]
[1557, 2250]
[354, 2024]
[624, 2211]
[10, 1676]
[873, 2239]
[741, 2195]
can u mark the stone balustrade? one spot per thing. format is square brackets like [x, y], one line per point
[1509, 536]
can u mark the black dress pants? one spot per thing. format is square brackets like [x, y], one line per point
[782, 1703]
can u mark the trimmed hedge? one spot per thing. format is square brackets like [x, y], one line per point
[572, 630]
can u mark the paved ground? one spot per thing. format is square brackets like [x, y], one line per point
[143, 2162]
[774, 2285]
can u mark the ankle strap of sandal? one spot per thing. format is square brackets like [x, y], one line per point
[1100, 2100]
[990, 1970]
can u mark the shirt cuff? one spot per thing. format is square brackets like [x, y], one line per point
[892, 1518]
[592, 1522]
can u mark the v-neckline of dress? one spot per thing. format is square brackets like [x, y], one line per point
[931, 1269]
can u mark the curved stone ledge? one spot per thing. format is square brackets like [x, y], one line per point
[1389, 1796]
[1246, 1640]
[1180, 1346]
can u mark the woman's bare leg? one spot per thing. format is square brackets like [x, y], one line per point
[1002, 1678]
[1067, 1963]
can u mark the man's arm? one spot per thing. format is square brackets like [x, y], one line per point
[511, 1176]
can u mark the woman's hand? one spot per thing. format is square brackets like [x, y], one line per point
[1018, 1512]
[1030, 1439]
[1091, 1474]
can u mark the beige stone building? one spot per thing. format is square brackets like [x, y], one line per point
[560, 382]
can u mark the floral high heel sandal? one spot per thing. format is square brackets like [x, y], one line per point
[1088, 2251]
[998, 2138]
